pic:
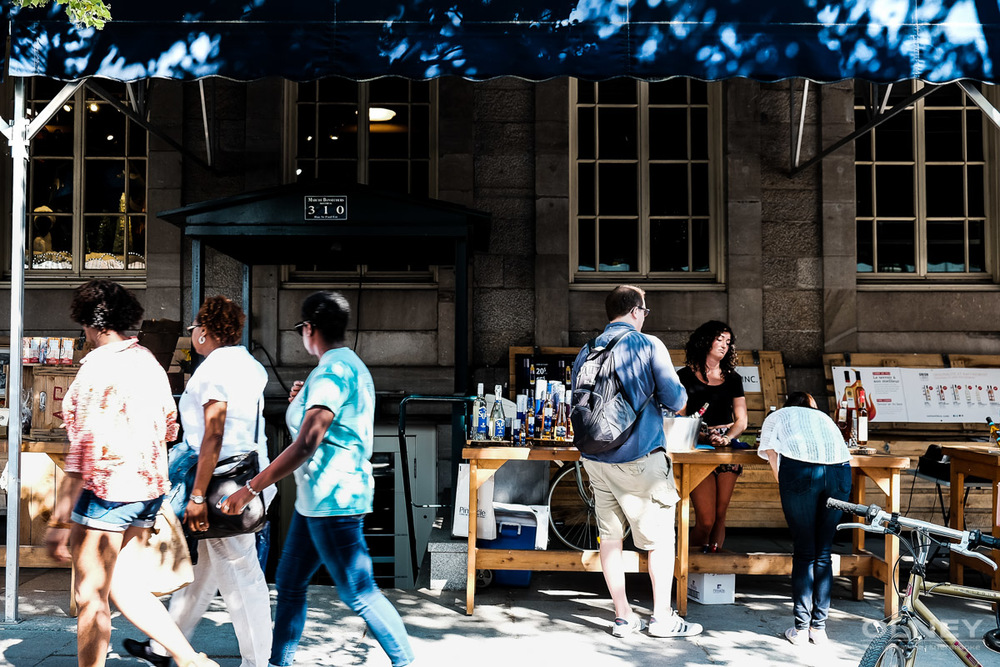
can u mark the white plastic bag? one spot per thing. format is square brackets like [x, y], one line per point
[486, 524]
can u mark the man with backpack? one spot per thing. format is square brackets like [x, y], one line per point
[620, 380]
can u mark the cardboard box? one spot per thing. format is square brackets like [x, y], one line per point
[712, 588]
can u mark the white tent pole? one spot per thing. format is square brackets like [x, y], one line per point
[19, 156]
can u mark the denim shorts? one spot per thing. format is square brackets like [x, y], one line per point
[95, 512]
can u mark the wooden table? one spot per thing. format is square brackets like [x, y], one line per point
[31, 553]
[690, 468]
[976, 461]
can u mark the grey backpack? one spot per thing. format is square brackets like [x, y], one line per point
[601, 413]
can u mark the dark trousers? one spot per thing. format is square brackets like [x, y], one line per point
[804, 489]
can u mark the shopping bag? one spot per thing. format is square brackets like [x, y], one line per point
[486, 523]
[163, 564]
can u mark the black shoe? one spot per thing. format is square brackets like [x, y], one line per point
[143, 651]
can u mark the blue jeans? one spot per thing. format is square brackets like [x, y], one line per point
[804, 489]
[336, 542]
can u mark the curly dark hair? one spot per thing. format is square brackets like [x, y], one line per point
[222, 318]
[106, 306]
[700, 342]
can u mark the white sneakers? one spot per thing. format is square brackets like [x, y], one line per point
[672, 626]
[800, 637]
[624, 627]
[796, 637]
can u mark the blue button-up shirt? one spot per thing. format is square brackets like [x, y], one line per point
[645, 370]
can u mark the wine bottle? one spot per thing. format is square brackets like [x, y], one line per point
[862, 418]
[547, 416]
[479, 423]
[529, 418]
[498, 421]
[560, 427]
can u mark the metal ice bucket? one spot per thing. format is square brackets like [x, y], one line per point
[681, 433]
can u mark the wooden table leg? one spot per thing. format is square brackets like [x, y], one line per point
[957, 516]
[683, 538]
[892, 548]
[857, 536]
[995, 531]
[479, 472]
[470, 583]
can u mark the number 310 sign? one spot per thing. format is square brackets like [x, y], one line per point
[325, 208]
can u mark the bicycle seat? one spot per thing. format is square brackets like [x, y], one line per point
[992, 640]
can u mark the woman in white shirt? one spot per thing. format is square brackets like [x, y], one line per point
[221, 411]
[811, 463]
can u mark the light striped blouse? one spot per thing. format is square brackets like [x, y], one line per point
[803, 434]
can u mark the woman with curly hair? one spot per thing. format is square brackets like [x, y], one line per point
[119, 415]
[710, 377]
[221, 411]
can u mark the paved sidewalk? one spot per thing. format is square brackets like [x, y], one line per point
[562, 619]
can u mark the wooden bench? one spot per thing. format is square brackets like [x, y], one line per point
[755, 502]
[920, 498]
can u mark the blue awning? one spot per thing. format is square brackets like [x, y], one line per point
[767, 40]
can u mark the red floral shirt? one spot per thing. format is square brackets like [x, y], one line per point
[119, 415]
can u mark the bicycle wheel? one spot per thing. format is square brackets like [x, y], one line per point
[571, 509]
[888, 649]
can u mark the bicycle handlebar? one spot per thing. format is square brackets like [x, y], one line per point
[881, 521]
[860, 510]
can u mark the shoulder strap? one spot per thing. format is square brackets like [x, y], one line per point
[256, 425]
[613, 341]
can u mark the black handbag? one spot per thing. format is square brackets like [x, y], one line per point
[243, 468]
[222, 485]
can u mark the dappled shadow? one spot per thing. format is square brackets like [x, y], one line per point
[936, 40]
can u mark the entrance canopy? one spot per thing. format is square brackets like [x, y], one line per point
[313, 222]
[934, 40]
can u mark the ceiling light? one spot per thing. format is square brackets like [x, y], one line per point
[298, 172]
[111, 137]
[67, 107]
[334, 137]
[93, 106]
[309, 138]
[380, 114]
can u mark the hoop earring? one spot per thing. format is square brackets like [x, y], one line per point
[201, 340]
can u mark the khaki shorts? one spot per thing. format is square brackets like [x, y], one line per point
[642, 493]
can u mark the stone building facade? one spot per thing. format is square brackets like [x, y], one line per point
[787, 268]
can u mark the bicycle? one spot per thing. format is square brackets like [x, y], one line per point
[896, 645]
[571, 509]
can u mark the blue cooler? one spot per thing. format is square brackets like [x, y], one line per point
[511, 536]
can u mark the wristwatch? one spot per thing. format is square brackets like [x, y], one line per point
[197, 500]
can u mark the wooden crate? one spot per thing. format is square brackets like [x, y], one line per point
[48, 387]
[755, 502]
[770, 366]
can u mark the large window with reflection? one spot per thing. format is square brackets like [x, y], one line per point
[382, 133]
[86, 187]
[923, 209]
[645, 180]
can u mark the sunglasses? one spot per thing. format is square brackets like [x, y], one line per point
[301, 325]
[193, 327]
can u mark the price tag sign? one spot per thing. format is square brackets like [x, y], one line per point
[325, 208]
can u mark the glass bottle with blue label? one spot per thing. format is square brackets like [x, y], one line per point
[498, 421]
[479, 422]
